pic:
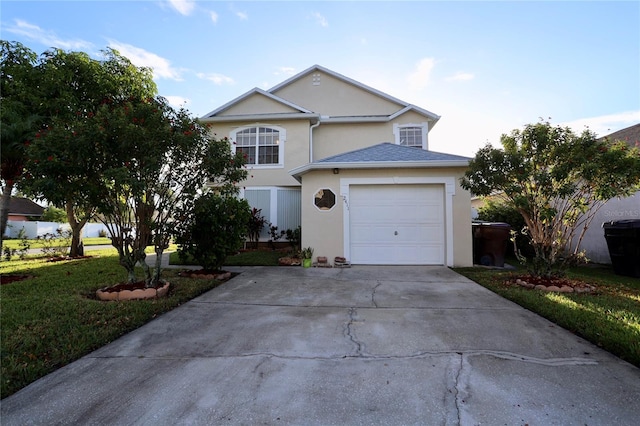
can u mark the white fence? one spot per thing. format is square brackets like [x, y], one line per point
[36, 229]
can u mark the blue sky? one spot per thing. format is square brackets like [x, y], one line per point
[485, 67]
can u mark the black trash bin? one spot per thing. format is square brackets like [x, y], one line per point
[623, 241]
[490, 241]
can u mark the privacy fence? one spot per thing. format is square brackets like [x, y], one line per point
[36, 228]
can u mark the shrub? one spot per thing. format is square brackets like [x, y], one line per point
[255, 224]
[57, 244]
[213, 229]
[294, 236]
[275, 235]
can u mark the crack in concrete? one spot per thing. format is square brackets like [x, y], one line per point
[456, 389]
[373, 294]
[550, 362]
[353, 313]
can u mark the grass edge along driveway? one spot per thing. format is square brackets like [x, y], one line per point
[54, 318]
[609, 317]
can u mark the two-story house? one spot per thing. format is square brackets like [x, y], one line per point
[352, 166]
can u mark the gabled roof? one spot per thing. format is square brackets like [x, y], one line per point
[406, 106]
[299, 111]
[314, 116]
[384, 155]
[630, 135]
[24, 207]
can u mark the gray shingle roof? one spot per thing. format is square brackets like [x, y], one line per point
[390, 152]
[24, 206]
[631, 135]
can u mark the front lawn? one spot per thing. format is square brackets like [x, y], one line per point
[53, 318]
[608, 317]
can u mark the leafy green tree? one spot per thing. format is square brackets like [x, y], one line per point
[19, 120]
[213, 229]
[72, 87]
[557, 181]
[54, 214]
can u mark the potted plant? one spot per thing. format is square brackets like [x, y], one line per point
[307, 255]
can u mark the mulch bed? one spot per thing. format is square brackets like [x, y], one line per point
[125, 286]
[553, 283]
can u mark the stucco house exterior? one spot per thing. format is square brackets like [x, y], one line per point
[351, 165]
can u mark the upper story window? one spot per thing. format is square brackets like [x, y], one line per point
[414, 135]
[262, 145]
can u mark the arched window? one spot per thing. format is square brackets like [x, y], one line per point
[262, 145]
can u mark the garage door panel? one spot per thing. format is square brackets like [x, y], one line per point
[397, 224]
[384, 255]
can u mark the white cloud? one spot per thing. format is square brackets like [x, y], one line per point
[177, 101]
[321, 20]
[139, 57]
[604, 124]
[184, 7]
[419, 78]
[218, 79]
[460, 76]
[47, 38]
[214, 17]
[242, 15]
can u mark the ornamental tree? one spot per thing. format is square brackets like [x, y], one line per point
[557, 181]
[71, 88]
[151, 162]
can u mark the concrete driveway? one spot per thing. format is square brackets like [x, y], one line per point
[366, 345]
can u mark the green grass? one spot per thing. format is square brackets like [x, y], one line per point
[35, 244]
[608, 317]
[248, 258]
[54, 318]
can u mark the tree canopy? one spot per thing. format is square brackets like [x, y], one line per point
[71, 87]
[18, 116]
[145, 164]
[557, 181]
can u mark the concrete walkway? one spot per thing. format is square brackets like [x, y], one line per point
[366, 345]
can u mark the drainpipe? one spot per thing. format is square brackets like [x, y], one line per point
[311, 140]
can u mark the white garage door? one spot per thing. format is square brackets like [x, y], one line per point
[396, 224]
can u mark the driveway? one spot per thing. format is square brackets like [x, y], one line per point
[365, 345]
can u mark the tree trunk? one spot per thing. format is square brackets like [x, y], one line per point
[77, 246]
[4, 206]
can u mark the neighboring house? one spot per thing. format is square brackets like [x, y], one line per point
[594, 242]
[352, 166]
[24, 209]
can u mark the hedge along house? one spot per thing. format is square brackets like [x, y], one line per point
[351, 165]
